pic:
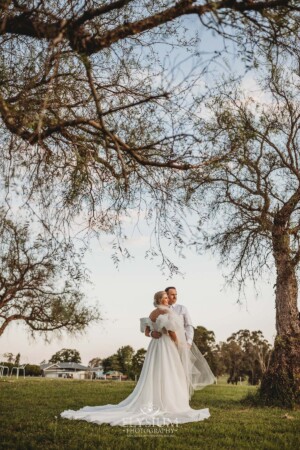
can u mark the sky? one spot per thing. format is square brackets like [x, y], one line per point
[124, 295]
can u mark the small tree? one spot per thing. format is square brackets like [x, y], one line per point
[125, 356]
[111, 363]
[205, 341]
[66, 355]
[9, 357]
[17, 360]
[95, 362]
[138, 361]
[121, 361]
[232, 358]
[39, 282]
[32, 370]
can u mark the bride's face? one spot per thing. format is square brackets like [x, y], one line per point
[165, 300]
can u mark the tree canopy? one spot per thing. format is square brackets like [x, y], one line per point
[92, 119]
[95, 362]
[66, 355]
[246, 354]
[251, 203]
[95, 124]
[40, 282]
[257, 190]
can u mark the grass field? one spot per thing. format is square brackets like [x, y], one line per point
[30, 409]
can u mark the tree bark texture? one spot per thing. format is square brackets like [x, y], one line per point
[281, 382]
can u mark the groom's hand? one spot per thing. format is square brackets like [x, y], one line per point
[156, 334]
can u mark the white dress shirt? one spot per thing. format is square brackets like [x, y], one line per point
[187, 322]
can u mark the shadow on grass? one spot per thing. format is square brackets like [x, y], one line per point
[254, 400]
[213, 397]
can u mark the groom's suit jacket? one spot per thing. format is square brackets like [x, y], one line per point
[187, 322]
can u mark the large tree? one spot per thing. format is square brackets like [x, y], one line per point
[90, 117]
[253, 202]
[39, 282]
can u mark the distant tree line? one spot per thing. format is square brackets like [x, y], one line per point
[11, 361]
[244, 355]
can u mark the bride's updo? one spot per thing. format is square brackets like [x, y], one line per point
[158, 297]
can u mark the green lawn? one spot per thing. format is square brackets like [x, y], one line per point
[30, 408]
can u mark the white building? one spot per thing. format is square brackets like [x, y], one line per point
[64, 370]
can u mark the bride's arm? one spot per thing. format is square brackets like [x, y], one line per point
[154, 334]
[173, 336]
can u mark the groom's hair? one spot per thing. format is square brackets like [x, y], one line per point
[168, 288]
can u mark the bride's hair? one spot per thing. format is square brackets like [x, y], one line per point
[158, 297]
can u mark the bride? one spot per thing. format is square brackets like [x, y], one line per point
[170, 374]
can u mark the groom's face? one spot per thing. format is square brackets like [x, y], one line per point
[172, 296]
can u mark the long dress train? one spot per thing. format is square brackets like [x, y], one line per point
[168, 377]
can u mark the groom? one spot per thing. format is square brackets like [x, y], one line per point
[181, 311]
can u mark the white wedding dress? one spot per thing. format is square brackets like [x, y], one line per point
[169, 375]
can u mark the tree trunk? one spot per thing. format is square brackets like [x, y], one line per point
[281, 382]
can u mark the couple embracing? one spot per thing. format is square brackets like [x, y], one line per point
[172, 370]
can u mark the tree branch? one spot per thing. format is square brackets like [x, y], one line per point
[84, 42]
